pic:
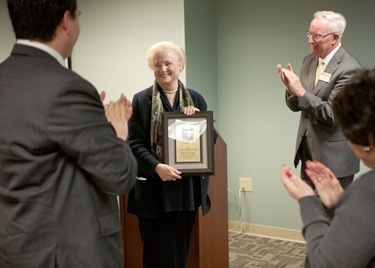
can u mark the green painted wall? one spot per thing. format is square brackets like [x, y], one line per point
[252, 36]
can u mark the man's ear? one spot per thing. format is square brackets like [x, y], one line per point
[65, 21]
[336, 36]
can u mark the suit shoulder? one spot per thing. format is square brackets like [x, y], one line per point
[195, 93]
[198, 99]
[72, 81]
[346, 56]
[144, 92]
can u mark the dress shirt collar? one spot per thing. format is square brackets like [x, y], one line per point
[43, 47]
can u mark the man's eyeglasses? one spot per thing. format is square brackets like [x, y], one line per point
[316, 37]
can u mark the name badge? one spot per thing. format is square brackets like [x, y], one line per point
[325, 77]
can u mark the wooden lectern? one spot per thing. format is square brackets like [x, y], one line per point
[209, 241]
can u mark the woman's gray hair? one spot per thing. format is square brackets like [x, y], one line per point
[157, 47]
[337, 22]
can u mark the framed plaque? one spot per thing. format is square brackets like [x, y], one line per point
[188, 143]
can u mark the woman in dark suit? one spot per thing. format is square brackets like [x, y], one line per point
[165, 202]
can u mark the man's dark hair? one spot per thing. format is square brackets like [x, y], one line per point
[354, 107]
[38, 19]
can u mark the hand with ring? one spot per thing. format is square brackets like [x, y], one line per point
[326, 184]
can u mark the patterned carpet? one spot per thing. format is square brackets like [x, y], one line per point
[246, 251]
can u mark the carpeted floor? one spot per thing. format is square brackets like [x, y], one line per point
[246, 251]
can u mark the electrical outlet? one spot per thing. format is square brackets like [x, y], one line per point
[246, 184]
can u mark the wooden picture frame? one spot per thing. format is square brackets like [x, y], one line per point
[188, 142]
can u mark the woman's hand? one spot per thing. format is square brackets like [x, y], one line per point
[296, 187]
[326, 184]
[189, 110]
[167, 173]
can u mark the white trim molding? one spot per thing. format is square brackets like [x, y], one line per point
[266, 231]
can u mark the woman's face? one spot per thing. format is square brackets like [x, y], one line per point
[368, 157]
[167, 68]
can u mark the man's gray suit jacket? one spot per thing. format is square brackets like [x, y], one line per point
[61, 167]
[326, 141]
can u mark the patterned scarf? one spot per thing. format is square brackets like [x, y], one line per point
[156, 131]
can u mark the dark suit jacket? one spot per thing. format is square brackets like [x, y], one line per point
[61, 167]
[146, 198]
[325, 138]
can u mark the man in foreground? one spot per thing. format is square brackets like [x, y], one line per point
[63, 157]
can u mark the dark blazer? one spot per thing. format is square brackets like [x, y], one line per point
[61, 167]
[146, 198]
[325, 138]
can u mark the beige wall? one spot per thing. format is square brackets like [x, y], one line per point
[115, 36]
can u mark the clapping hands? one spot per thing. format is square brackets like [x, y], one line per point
[326, 184]
[291, 80]
[118, 113]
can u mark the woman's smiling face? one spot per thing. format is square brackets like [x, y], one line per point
[167, 68]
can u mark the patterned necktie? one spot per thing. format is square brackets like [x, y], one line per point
[319, 70]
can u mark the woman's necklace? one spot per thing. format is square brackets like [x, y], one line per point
[170, 92]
